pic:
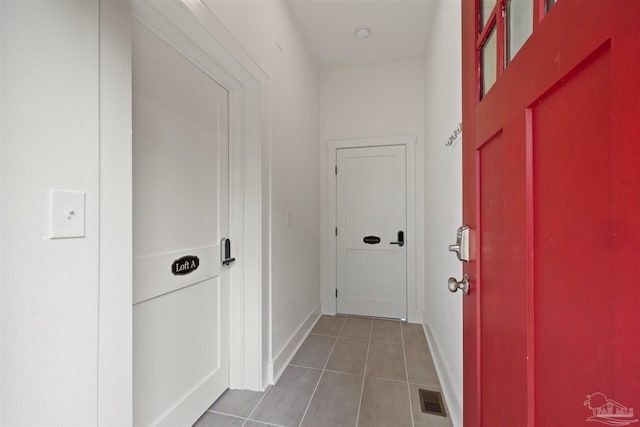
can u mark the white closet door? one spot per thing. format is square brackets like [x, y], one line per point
[181, 321]
[372, 222]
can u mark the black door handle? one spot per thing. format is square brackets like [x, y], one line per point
[225, 252]
[400, 241]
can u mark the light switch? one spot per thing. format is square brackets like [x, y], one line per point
[66, 214]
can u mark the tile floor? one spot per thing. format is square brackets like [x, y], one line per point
[350, 371]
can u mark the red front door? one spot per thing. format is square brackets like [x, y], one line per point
[552, 196]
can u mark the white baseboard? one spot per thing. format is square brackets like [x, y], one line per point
[284, 356]
[452, 393]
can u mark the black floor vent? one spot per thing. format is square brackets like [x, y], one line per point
[431, 402]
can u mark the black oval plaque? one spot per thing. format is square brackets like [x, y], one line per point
[371, 240]
[185, 265]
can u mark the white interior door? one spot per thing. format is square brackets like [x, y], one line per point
[181, 321]
[371, 216]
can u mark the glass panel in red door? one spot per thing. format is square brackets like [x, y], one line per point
[486, 7]
[519, 25]
[489, 56]
[549, 4]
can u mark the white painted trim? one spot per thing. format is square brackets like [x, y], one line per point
[267, 243]
[115, 331]
[452, 395]
[115, 366]
[191, 29]
[1, 281]
[414, 310]
[282, 359]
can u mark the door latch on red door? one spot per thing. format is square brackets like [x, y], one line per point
[461, 247]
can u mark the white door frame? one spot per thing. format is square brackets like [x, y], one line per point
[190, 29]
[409, 141]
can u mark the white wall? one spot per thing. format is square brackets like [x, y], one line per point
[266, 32]
[443, 198]
[295, 188]
[371, 101]
[66, 124]
[50, 139]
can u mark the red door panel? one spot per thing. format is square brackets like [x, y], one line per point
[573, 261]
[552, 194]
[502, 323]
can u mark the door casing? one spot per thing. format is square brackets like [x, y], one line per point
[409, 141]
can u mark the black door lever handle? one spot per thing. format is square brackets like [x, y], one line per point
[400, 241]
[225, 252]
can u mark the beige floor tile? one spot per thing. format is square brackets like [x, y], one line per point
[335, 403]
[285, 403]
[349, 355]
[386, 331]
[237, 402]
[386, 361]
[426, 420]
[209, 419]
[384, 404]
[420, 367]
[357, 327]
[328, 325]
[314, 352]
[413, 335]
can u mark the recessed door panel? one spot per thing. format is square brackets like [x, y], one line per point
[503, 323]
[171, 346]
[574, 228]
[367, 284]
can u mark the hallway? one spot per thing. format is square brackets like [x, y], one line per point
[324, 384]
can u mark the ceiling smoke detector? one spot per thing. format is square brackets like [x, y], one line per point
[363, 33]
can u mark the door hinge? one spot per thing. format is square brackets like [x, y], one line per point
[336, 292]
[336, 231]
[336, 169]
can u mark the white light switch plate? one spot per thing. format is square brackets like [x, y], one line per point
[66, 214]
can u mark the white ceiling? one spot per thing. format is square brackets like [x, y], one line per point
[399, 30]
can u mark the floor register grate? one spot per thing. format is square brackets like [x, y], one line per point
[431, 402]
